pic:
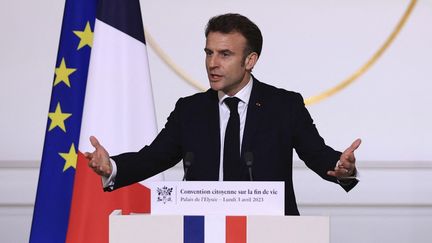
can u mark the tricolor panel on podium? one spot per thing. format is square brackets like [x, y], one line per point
[217, 229]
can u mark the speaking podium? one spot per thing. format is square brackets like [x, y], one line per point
[217, 212]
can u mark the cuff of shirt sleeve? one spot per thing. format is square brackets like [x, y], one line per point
[108, 182]
[349, 179]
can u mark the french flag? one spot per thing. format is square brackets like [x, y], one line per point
[119, 111]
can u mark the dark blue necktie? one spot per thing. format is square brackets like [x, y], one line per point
[232, 168]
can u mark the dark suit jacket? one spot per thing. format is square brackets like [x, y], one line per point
[277, 122]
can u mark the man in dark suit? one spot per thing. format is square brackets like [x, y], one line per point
[219, 129]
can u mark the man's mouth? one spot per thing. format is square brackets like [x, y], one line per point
[215, 77]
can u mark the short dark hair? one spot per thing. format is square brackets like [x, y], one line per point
[232, 22]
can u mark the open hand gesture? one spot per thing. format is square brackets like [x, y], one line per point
[99, 160]
[345, 168]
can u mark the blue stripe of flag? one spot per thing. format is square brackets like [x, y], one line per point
[124, 16]
[193, 229]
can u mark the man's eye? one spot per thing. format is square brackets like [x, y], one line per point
[225, 54]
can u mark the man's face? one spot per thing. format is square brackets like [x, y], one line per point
[227, 68]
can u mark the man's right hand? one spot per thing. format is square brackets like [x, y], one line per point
[99, 160]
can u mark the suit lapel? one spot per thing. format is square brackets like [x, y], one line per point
[214, 127]
[254, 112]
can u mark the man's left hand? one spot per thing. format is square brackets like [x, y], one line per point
[345, 168]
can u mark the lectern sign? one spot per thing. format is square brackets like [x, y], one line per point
[217, 198]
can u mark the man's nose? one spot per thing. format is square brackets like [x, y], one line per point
[212, 61]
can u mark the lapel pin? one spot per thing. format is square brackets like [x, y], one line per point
[258, 104]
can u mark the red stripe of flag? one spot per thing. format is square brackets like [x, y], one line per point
[236, 229]
[91, 208]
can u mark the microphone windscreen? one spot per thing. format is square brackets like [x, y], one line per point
[188, 159]
[248, 158]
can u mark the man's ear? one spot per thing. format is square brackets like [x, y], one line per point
[251, 60]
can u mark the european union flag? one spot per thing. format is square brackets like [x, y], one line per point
[57, 172]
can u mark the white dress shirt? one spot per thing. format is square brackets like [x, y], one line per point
[224, 114]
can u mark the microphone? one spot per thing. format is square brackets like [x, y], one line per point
[187, 161]
[248, 157]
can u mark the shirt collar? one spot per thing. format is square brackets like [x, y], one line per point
[243, 94]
